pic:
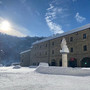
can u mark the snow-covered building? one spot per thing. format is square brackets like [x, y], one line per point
[25, 58]
[48, 49]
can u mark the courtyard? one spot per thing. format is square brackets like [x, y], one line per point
[27, 78]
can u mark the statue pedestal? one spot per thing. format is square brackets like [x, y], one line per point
[64, 60]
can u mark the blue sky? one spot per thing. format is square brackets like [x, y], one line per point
[44, 17]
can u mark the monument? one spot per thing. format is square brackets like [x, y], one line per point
[64, 53]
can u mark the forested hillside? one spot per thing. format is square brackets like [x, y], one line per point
[11, 46]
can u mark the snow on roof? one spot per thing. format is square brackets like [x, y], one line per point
[25, 51]
[63, 34]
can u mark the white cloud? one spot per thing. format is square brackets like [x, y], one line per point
[51, 7]
[53, 26]
[14, 30]
[79, 18]
[50, 16]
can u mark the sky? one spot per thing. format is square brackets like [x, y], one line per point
[43, 17]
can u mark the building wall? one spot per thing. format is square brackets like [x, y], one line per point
[51, 52]
[25, 58]
[40, 53]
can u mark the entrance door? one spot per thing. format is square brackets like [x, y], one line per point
[72, 62]
[53, 63]
[85, 62]
[60, 62]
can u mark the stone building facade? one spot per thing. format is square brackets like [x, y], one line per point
[25, 58]
[48, 50]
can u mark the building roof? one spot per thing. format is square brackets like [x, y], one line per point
[25, 51]
[63, 34]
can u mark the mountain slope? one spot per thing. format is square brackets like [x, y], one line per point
[11, 46]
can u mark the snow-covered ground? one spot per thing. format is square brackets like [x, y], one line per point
[27, 79]
[63, 71]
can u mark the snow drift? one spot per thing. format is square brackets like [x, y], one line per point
[63, 71]
[17, 67]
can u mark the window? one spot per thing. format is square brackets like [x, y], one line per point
[22, 60]
[71, 39]
[52, 43]
[40, 46]
[52, 51]
[84, 36]
[45, 53]
[37, 63]
[46, 45]
[71, 50]
[34, 63]
[40, 53]
[60, 41]
[85, 48]
[76, 33]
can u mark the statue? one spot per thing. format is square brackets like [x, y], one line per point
[64, 47]
[64, 53]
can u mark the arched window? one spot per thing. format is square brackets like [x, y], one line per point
[60, 62]
[72, 62]
[53, 63]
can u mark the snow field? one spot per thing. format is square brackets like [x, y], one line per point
[27, 79]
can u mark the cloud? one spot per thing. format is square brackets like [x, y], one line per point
[79, 18]
[50, 16]
[14, 29]
[53, 26]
